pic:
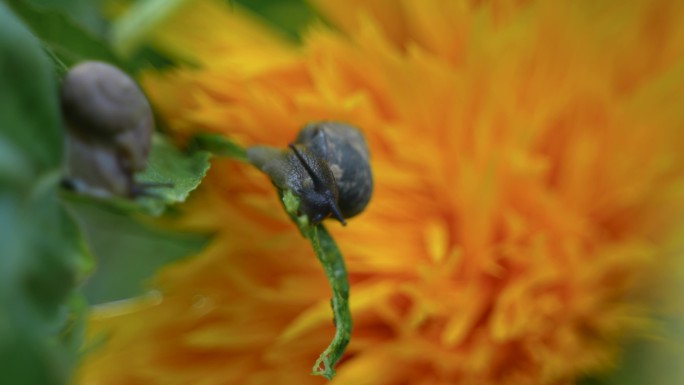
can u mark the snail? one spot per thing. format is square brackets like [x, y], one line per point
[109, 129]
[344, 149]
[327, 168]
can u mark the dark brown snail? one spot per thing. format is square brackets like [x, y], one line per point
[327, 168]
[343, 148]
[109, 129]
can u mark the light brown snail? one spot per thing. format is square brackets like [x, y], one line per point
[109, 129]
[327, 168]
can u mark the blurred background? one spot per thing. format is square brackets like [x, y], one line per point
[51, 241]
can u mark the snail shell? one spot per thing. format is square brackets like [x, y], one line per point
[343, 148]
[327, 169]
[109, 128]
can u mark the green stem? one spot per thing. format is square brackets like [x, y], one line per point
[330, 257]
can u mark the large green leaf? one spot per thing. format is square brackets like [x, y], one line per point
[67, 42]
[28, 106]
[86, 13]
[42, 254]
[38, 273]
[128, 249]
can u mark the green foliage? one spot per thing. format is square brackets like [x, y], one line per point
[65, 41]
[45, 253]
[42, 254]
[175, 173]
[84, 12]
[128, 248]
[31, 131]
[656, 360]
[169, 178]
[287, 16]
[131, 30]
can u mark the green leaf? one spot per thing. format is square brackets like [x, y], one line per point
[287, 16]
[84, 12]
[31, 134]
[174, 172]
[218, 145]
[169, 178]
[41, 255]
[147, 57]
[38, 273]
[654, 361]
[72, 334]
[64, 40]
[128, 250]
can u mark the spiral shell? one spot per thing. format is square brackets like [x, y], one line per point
[109, 128]
[343, 148]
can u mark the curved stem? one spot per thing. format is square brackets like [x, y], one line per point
[330, 257]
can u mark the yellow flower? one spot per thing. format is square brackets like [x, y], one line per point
[529, 178]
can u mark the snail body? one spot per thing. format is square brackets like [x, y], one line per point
[95, 169]
[326, 168]
[109, 129]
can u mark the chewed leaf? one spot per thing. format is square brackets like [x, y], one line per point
[169, 178]
[171, 174]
